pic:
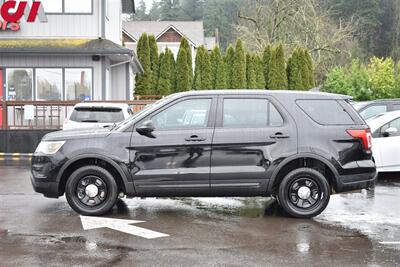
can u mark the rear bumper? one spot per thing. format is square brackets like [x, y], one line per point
[356, 181]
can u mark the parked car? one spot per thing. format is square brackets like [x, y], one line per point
[85, 115]
[297, 146]
[369, 109]
[386, 141]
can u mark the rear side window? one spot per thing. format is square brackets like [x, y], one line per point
[325, 111]
[250, 113]
[372, 111]
[97, 115]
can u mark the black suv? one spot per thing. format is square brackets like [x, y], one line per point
[299, 147]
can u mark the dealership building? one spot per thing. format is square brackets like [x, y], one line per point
[71, 52]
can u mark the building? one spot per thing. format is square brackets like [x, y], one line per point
[70, 52]
[168, 34]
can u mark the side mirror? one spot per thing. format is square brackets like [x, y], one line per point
[390, 131]
[146, 129]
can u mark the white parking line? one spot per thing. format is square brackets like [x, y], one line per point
[390, 243]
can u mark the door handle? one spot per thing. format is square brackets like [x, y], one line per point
[195, 138]
[279, 136]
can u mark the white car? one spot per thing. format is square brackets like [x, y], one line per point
[85, 115]
[385, 130]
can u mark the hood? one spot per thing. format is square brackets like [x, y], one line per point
[77, 134]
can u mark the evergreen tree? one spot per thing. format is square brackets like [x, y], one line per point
[251, 78]
[218, 76]
[202, 74]
[173, 75]
[228, 60]
[310, 66]
[259, 72]
[164, 80]
[182, 72]
[305, 72]
[185, 45]
[294, 72]
[272, 71]
[266, 62]
[278, 76]
[154, 64]
[143, 81]
[239, 67]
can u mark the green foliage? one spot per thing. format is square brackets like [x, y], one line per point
[277, 79]
[218, 76]
[202, 75]
[182, 72]
[310, 67]
[338, 82]
[267, 55]
[294, 72]
[143, 81]
[251, 78]
[228, 59]
[164, 78]
[185, 45]
[154, 64]
[239, 67]
[260, 84]
[381, 77]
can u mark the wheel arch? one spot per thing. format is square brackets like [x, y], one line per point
[94, 159]
[311, 160]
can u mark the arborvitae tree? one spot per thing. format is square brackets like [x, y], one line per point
[259, 72]
[164, 79]
[182, 72]
[310, 66]
[185, 45]
[281, 81]
[202, 74]
[218, 76]
[228, 60]
[272, 71]
[266, 61]
[172, 65]
[251, 77]
[143, 81]
[239, 67]
[154, 64]
[305, 72]
[294, 71]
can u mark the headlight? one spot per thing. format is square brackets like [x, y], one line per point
[49, 147]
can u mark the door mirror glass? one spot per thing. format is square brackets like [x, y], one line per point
[146, 129]
[390, 131]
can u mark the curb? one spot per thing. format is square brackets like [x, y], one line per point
[15, 156]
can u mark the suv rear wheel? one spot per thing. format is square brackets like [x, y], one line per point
[304, 193]
[91, 190]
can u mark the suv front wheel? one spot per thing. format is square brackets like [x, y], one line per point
[91, 191]
[304, 193]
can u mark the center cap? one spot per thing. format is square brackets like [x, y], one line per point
[304, 192]
[91, 190]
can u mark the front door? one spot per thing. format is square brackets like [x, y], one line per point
[176, 161]
[251, 133]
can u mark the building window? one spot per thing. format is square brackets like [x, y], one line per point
[19, 84]
[78, 6]
[49, 84]
[68, 6]
[52, 6]
[78, 84]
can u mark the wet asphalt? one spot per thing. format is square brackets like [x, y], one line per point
[357, 229]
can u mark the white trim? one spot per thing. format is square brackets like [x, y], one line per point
[179, 32]
[129, 35]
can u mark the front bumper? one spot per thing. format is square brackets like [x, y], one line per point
[48, 189]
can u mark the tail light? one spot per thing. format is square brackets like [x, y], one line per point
[364, 135]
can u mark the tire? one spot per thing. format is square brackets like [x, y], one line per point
[82, 195]
[304, 193]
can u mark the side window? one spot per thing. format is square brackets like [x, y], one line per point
[393, 124]
[250, 113]
[395, 106]
[192, 113]
[371, 111]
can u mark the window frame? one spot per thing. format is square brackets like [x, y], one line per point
[64, 12]
[65, 81]
[388, 123]
[270, 101]
[5, 76]
[211, 114]
[36, 84]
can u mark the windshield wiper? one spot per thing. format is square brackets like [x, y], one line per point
[89, 121]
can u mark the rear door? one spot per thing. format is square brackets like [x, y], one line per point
[252, 133]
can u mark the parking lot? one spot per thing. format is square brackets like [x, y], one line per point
[357, 229]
